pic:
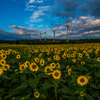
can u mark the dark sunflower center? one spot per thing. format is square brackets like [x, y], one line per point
[52, 64]
[48, 69]
[34, 66]
[36, 94]
[3, 55]
[56, 74]
[22, 67]
[81, 93]
[27, 63]
[82, 80]
[2, 62]
[6, 67]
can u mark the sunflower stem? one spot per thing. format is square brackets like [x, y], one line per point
[55, 90]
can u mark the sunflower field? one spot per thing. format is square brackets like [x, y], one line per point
[50, 72]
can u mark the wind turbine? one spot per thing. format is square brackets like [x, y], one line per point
[40, 34]
[55, 29]
[67, 26]
[46, 32]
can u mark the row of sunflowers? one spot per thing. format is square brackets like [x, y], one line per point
[53, 72]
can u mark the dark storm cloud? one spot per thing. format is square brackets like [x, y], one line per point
[77, 8]
[94, 7]
[68, 8]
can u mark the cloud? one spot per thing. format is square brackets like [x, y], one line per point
[66, 8]
[81, 28]
[39, 14]
[78, 8]
[35, 1]
[40, 26]
[94, 8]
[19, 32]
[30, 7]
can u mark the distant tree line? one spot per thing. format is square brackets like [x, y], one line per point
[50, 41]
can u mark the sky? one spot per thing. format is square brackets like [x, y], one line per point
[26, 19]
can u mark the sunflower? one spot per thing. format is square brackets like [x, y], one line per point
[82, 80]
[7, 52]
[22, 67]
[1, 71]
[80, 55]
[49, 59]
[55, 56]
[81, 93]
[18, 56]
[88, 77]
[67, 67]
[58, 65]
[74, 60]
[41, 59]
[5, 67]
[42, 63]
[58, 58]
[2, 62]
[47, 69]
[82, 62]
[48, 53]
[34, 67]
[36, 94]
[98, 59]
[72, 55]
[3, 56]
[64, 56]
[74, 52]
[27, 63]
[68, 55]
[2, 51]
[56, 74]
[52, 65]
[69, 71]
[32, 59]
[36, 60]
[14, 52]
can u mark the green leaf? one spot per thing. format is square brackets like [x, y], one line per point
[27, 97]
[96, 94]
[64, 96]
[43, 96]
[92, 85]
[46, 86]
[89, 97]
[23, 77]
[8, 96]
[14, 80]
[2, 92]
[23, 86]
[76, 92]
[72, 98]
[5, 77]
[80, 98]
[65, 90]
[33, 82]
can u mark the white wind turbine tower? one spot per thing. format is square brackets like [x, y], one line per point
[46, 32]
[55, 29]
[40, 34]
[67, 25]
